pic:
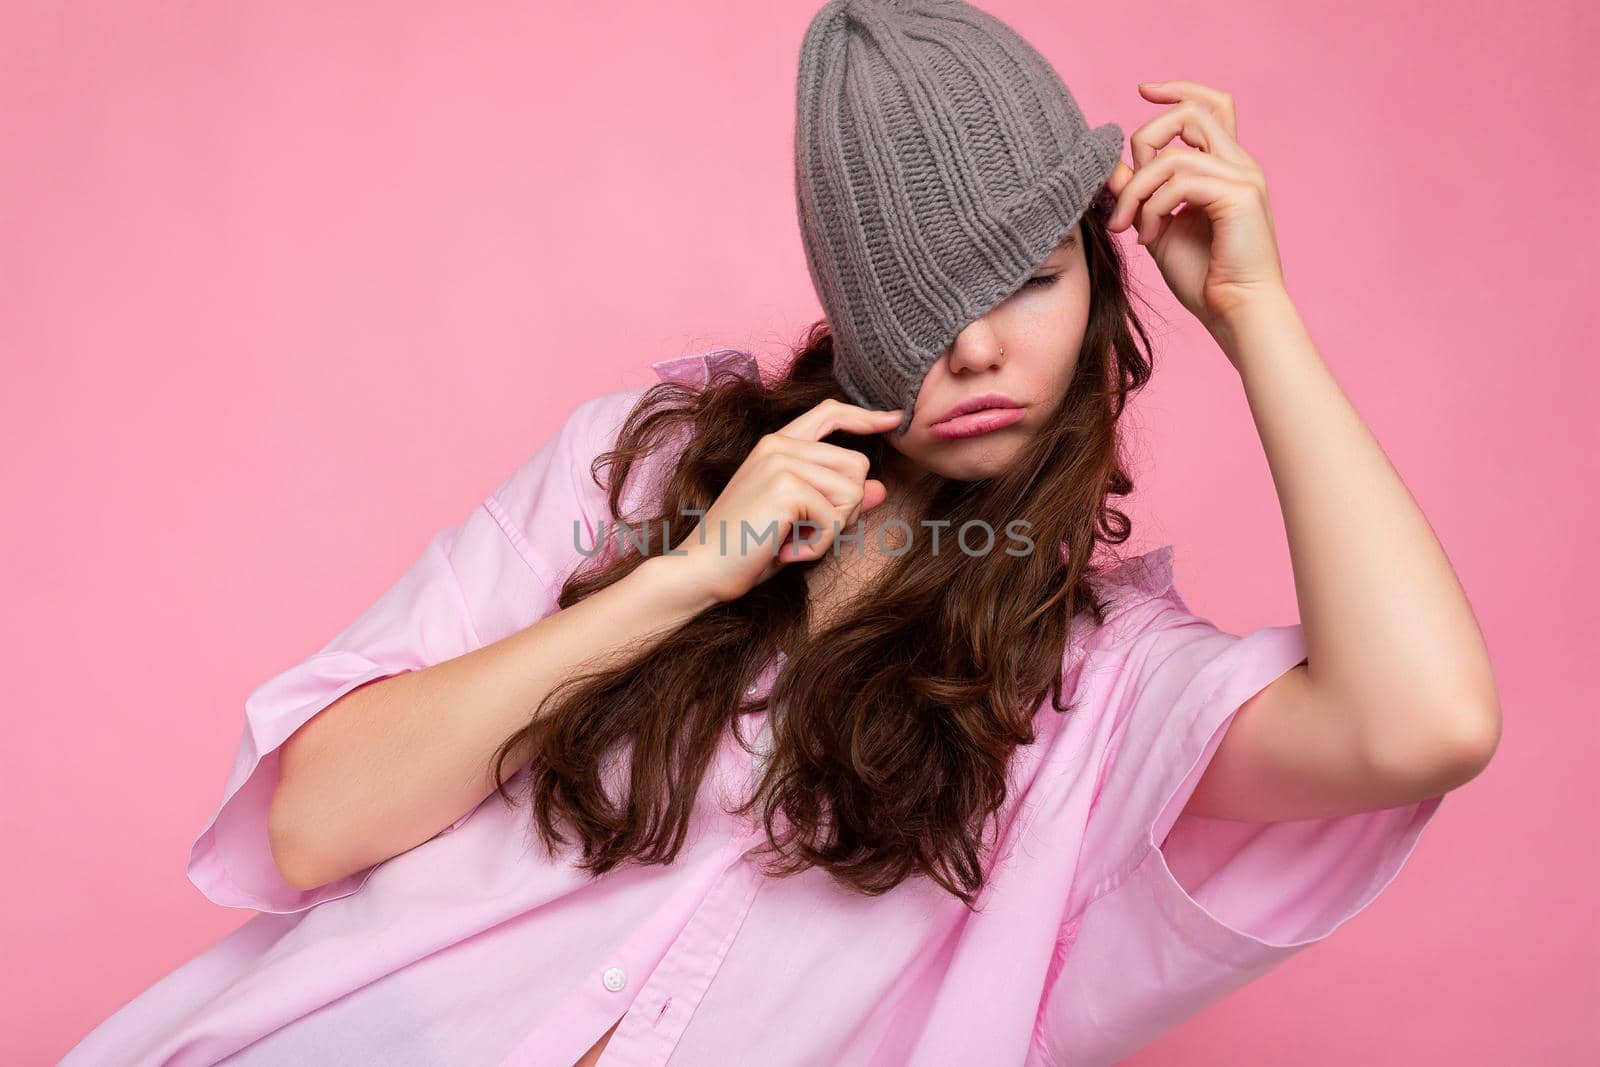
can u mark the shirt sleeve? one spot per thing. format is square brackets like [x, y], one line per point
[497, 572]
[1183, 909]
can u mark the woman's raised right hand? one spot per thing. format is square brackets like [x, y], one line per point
[791, 476]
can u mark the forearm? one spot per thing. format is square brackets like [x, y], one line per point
[390, 764]
[1391, 637]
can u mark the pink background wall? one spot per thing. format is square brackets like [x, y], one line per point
[288, 286]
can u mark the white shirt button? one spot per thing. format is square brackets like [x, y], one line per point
[614, 978]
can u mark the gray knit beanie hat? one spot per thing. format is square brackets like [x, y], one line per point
[939, 159]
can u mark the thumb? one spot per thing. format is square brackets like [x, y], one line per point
[1119, 178]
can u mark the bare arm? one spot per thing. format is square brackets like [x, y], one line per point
[391, 763]
[1397, 701]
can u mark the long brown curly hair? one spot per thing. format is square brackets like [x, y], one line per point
[900, 721]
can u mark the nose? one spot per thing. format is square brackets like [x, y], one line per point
[976, 348]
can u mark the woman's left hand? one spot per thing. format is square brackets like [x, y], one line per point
[1219, 253]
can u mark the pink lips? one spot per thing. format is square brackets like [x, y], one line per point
[976, 415]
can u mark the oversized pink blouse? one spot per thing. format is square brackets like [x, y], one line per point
[1109, 917]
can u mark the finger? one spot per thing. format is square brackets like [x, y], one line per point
[1198, 191]
[1189, 120]
[841, 490]
[817, 494]
[1120, 175]
[873, 493]
[1167, 163]
[1197, 179]
[832, 415]
[1220, 103]
[809, 542]
[846, 461]
[1140, 184]
[848, 496]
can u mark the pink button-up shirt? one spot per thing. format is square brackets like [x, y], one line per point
[1109, 916]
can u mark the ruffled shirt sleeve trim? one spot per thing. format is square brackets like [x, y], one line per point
[701, 368]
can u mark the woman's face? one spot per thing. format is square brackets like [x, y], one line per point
[1020, 356]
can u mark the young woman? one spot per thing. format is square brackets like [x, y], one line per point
[939, 780]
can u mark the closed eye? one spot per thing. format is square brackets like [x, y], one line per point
[1042, 280]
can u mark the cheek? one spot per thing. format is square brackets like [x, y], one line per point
[1073, 324]
[1076, 299]
[1056, 338]
[1058, 319]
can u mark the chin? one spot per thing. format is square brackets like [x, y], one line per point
[970, 459]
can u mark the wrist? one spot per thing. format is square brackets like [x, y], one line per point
[674, 587]
[1263, 314]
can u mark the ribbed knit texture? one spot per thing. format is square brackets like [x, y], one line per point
[939, 159]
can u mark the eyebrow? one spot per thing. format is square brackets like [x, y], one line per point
[1064, 246]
